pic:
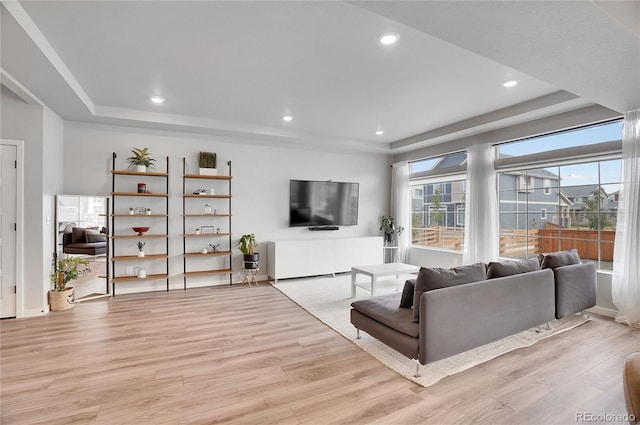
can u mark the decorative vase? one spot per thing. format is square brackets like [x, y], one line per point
[251, 261]
[208, 171]
[62, 300]
[141, 168]
[141, 254]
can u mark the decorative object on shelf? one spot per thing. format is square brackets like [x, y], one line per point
[141, 245]
[141, 159]
[204, 251]
[199, 192]
[389, 228]
[148, 211]
[142, 188]
[141, 230]
[207, 208]
[61, 297]
[130, 211]
[208, 164]
[247, 246]
[142, 273]
[217, 230]
[139, 210]
[214, 248]
[208, 230]
[212, 191]
[197, 230]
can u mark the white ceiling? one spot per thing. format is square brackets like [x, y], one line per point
[235, 68]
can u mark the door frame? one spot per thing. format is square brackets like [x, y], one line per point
[19, 144]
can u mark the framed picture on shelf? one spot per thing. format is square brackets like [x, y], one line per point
[207, 230]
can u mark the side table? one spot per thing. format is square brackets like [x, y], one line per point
[250, 276]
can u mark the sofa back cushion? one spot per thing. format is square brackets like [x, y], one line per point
[406, 300]
[94, 236]
[78, 235]
[559, 259]
[436, 278]
[511, 267]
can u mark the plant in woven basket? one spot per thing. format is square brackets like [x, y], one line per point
[67, 269]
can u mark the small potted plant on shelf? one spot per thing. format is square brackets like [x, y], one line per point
[141, 245]
[207, 162]
[62, 297]
[247, 246]
[141, 159]
[389, 228]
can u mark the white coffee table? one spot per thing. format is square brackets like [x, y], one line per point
[377, 270]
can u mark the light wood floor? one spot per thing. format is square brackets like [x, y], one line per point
[249, 355]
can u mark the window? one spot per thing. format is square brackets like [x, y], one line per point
[526, 184]
[460, 215]
[437, 205]
[580, 212]
[546, 185]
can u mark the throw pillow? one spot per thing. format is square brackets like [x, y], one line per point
[93, 236]
[406, 300]
[435, 278]
[561, 258]
[78, 235]
[511, 267]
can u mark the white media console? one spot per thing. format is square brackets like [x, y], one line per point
[314, 257]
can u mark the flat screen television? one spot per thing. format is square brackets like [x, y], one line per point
[323, 203]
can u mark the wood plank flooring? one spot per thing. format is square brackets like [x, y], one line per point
[249, 355]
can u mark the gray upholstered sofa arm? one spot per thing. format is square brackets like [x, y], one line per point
[575, 288]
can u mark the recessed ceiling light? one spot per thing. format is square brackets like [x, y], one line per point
[389, 38]
[287, 118]
[380, 132]
[157, 99]
[511, 83]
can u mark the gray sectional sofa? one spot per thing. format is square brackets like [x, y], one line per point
[448, 311]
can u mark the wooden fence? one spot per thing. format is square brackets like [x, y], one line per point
[516, 243]
[584, 240]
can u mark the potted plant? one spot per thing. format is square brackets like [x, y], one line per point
[141, 159]
[61, 297]
[207, 162]
[247, 246]
[141, 245]
[389, 228]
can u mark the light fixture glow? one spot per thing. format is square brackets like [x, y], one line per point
[511, 83]
[389, 38]
[379, 132]
[157, 99]
[287, 118]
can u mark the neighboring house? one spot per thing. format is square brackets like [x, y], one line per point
[580, 196]
[527, 199]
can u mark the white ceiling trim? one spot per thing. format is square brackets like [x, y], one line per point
[21, 91]
[32, 30]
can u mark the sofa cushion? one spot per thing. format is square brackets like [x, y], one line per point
[406, 300]
[511, 267]
[93, 236]
[384, 309]
[560, 258]
[78, 235]
[435, 278]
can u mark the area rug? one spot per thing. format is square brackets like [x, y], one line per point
[329, 300]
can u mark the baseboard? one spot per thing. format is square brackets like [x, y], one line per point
[35, 312]
[603, 311]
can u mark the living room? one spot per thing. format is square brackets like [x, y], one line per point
[67, 146]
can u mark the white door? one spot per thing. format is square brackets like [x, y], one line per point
[8, 201]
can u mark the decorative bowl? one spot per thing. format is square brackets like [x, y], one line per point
[140, 230]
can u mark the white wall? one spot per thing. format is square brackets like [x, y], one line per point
[260, 183]
[41, 131]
